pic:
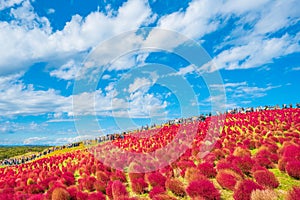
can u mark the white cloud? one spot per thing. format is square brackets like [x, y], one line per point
[9, 3]
[139, 104]
[243, 90]
[67, 71]
[238, 94]
[37, 102]
[67, 140]
[277, 15]
[50, 11]
[60, 120]
[296, 69]
[29, 38]
[249, 48]
[106, 77]
[138, 84]
[251, 92]
[205, 16]
[256, 53]
[186, 70]
[195, 21]
[227, 85]
[34, 140]
[10, 127]
[20, 99]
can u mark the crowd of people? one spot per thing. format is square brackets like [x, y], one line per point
[110, 137]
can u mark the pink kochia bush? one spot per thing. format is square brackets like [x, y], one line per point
[203, 189]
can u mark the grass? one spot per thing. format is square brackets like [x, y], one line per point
[13, 151]
[253, 151]
[286, 183]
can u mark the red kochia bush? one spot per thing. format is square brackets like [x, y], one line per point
[60, 194]
[203, 189]
[207, 169]
[108, 190]
[96, 196]
[266, 178]
[293, 194]
[282, 163]
[100, 186]
[193, 174]
[157, 179]
[102, 176]
[89, 183]
[163, 197]
[118, 190]
[228, 179]
[35, 197]
[244, 163]
[291, 151]
[72, 191]
[156, 191]
[139, 186]
[34, 189]
[244, 190]
[118, 175]
[82, 195]
[227, 165]
[293, 169]
[176, 186]
[183, 165]
[134, 176]
[68, 179]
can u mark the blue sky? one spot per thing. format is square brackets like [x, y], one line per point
[250, 57]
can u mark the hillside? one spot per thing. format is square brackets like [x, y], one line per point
[238, 156]
[12, 151]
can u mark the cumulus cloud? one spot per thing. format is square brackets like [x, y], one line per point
[238, 93]
[20, 99]
[67, 71]
[50, 11]
[296, 69]
[9, 3]
[138, 104]
[256, 53]
[139, 83]
[249, 48]
[35, 140]
[29, 38]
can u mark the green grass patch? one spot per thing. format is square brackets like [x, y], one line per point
[253, 151]
[286, 183]
[13, 151]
